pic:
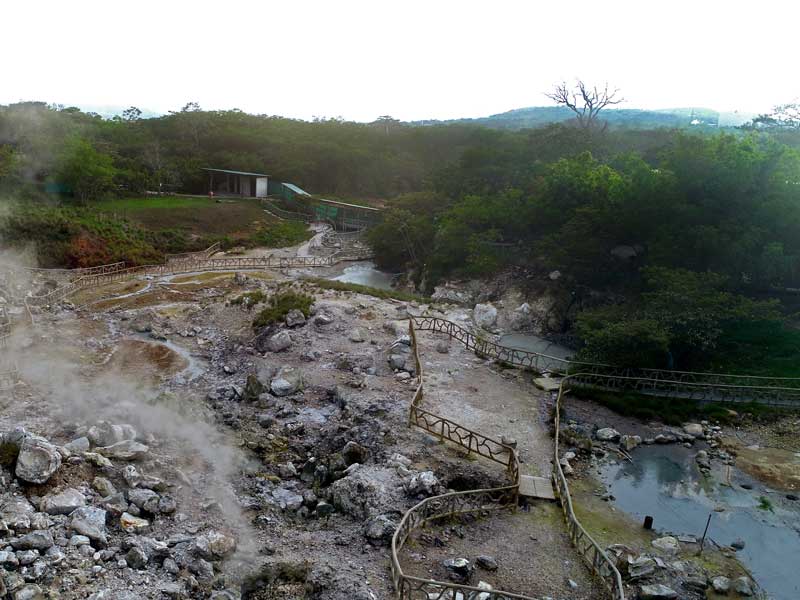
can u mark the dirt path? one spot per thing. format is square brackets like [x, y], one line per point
[531, 549]
[531, 546]
[484, 398]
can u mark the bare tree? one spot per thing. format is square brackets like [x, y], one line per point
[584, 101]
[785, 116]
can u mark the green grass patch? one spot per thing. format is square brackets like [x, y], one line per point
[153, 202]
[279, 306]
[672, 411]
[764, 503]
[234, 222]
[343, 286]
[280, 234]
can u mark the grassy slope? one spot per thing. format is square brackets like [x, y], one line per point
[141, 230]
[237, 219]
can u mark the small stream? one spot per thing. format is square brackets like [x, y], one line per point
[365, 273]
[534, 343]
[664, 482]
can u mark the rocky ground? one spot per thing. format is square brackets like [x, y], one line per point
[157, 446]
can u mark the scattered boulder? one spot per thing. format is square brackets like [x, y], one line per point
[62, 503]
[286, 382]
[667, 544]
[133, 524]
[16, 513]
[35, 540]
[279, 342]
[459, 569]
[629, 442]
[380, 529]
[323, 320]
[29, 591]
[38, 460]
[353, 452]
[145, 499]
[361, 493]
[487, 563]
[743, 586]
[287, 499]
[607, 434]
[91, 522]
[442, 347]
[295, 318]
[125, 450]
[657, 591]
[484, 315]
[108, 434]
[694, 429]
[703, 460]
[422, 484]
[137, 558]
[215, 545]
[640, 566]
[721, 584]
[78, 445]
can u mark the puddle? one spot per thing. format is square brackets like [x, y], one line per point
[365, 273]
[155, 358]
[664, 482]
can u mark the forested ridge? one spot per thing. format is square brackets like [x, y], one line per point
[682, 239]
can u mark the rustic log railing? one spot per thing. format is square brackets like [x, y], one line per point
[453, 503]
[207, 253]
[707, 387]
[191, 265]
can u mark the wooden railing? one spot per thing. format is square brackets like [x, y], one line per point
[594, 556]
[191, 265]
[705, 387]
[453, 503]
[207, 253]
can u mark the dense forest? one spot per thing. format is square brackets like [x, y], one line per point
[688, 237]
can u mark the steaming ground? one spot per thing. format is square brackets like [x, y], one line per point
[301, 454]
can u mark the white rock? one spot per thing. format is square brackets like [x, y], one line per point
[607, 434]
[484, 315]
[667, 544]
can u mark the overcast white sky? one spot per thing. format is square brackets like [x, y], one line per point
[410, 59]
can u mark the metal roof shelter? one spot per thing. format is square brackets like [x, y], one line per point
[226, 182]
[235, 172]
[296, 189]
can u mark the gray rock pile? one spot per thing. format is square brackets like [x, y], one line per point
[59, 528]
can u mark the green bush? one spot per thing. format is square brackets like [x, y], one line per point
[279, 306]
[249, 299]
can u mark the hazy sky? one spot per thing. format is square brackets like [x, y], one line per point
[410, 59]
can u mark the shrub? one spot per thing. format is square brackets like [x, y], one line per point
[279, 306]
[249, 299]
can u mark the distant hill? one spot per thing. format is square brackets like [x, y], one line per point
[620, 118]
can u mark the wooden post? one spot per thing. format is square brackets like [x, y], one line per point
[703, 539]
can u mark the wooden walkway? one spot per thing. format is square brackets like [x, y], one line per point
[536, 487]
